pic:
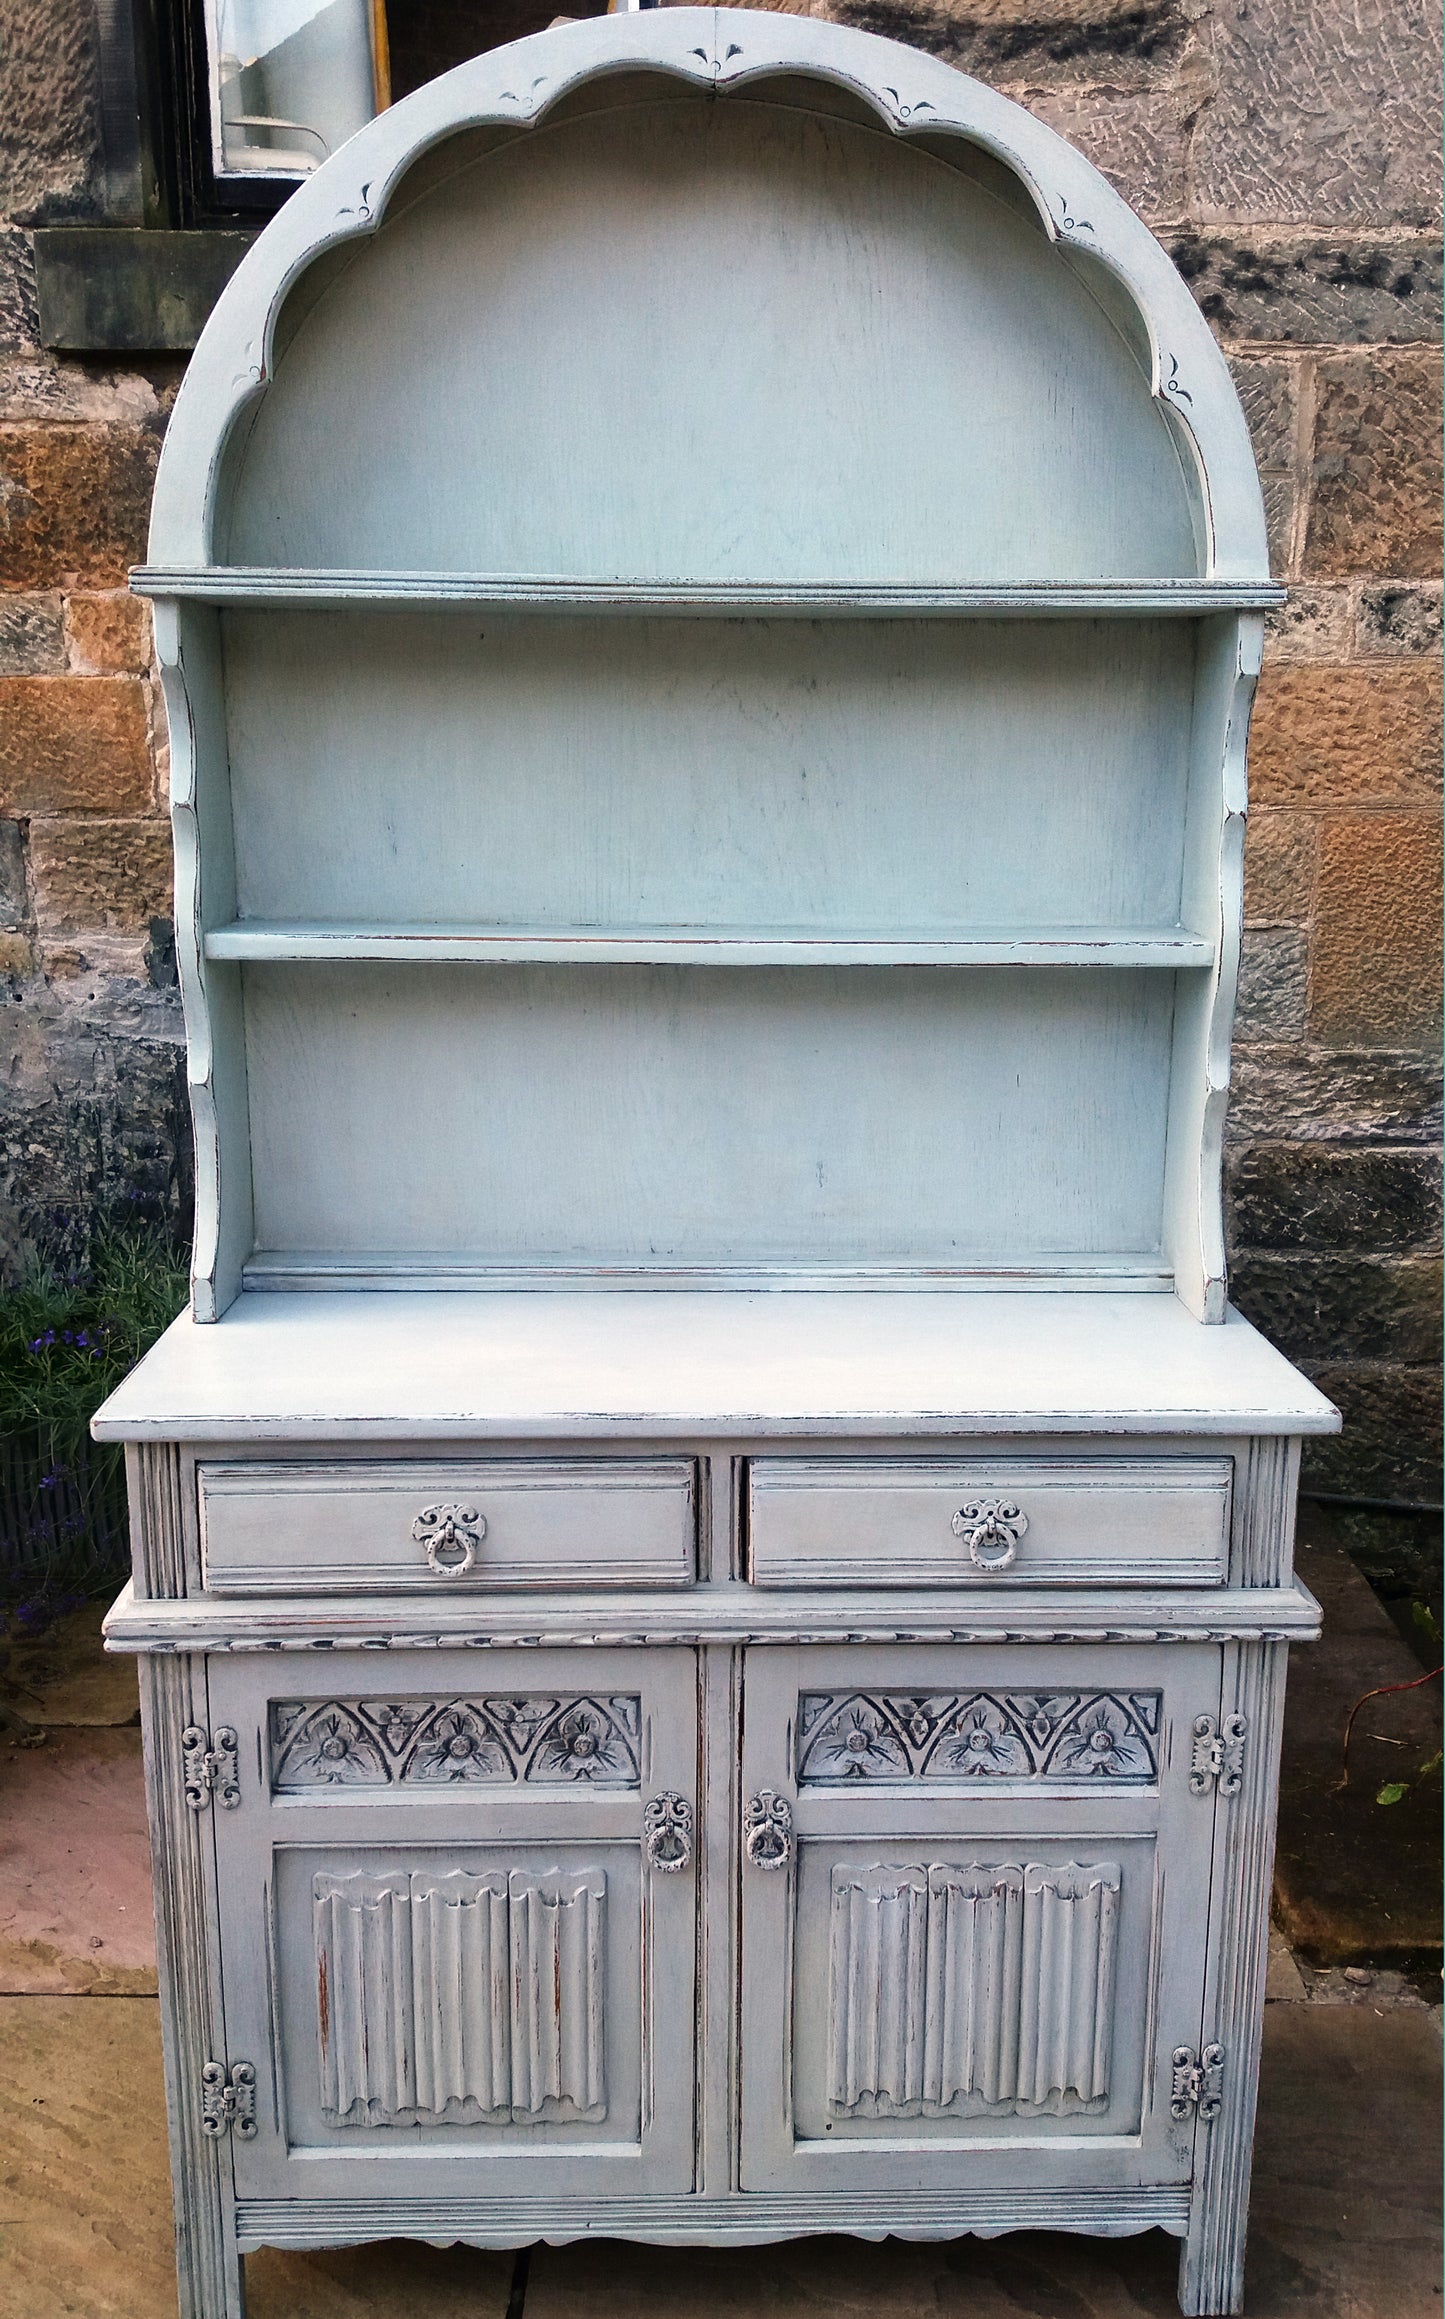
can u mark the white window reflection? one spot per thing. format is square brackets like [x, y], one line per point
[291, 80]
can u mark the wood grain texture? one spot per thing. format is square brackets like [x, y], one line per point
[904, 382]
[544, 1524]
[895, 780]
[384, 1624]
[863, 1522]
[748, 2219]
[1211, 2267]
[272, 585]
[904, 91]
[157, 1520]
[647, 1117]
[188, 648]
[821, 1362]
[173, 1696]
[1262, 1552]
[1167, 947]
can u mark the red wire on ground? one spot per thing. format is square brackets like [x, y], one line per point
[1383, 1692]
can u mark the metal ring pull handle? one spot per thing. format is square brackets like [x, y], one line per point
[768, 1830]
[451, 1536]
[667, 1834]
[991, 1530]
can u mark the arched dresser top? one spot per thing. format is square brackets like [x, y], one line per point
[895, 331]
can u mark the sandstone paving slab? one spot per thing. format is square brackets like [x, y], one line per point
[1345, 2221]
[64, 1675]
[85, 2197]
[75, 1881]
[85, 2194]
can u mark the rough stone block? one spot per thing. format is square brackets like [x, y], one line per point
[19, 312]
[1315, 624]
[1357, 735]
[50, 119]
[100, 874]
[1323, 115]
[1390, 1446]
[14, 893]
[1342, 1308]
[1325, 1096]
[74, 503]
[95, 1120]
[32, 636]
[1397, 619]
[1279, 869]
[1126, 42]
[1268, 390]
[1273, 978]
[1314, 290]
[74, 744]
[1375, 493]
[1375, 967]
[1316, 1197]
[1136, 140]
[108, 635]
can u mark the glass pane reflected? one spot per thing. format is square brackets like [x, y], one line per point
[291, 80]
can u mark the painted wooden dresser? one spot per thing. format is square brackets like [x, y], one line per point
[712, 1568]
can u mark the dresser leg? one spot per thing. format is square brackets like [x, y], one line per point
[1211, 2271]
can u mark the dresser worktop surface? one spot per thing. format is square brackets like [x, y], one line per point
[557, 1365]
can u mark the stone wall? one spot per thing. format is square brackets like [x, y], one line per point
[1286, 153]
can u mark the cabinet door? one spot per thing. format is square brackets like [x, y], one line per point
[970, 1956]
[454, 1935]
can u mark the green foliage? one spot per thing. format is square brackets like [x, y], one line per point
[67, 1337]
[1395, 1791]
[66, 1341]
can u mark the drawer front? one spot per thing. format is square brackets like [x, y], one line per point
[456, 1527]
[1012, 1521]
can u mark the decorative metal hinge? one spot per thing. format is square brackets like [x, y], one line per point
[1218, 1755]
[228, 2098]
[1198, 2082]
[211, 1768]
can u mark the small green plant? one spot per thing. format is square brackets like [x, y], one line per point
[1395, 1791]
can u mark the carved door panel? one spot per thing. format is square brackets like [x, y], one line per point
[458, 1921]
[975, 1887]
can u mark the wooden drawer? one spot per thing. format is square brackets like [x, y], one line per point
[453, 1527]
[1009, 1521]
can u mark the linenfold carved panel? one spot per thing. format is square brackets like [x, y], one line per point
[451, 1997]
[1059, 1736]
[961, 1989]
[380, 1742]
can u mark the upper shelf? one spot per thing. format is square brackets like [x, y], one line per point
[263, 939]
[258, 585]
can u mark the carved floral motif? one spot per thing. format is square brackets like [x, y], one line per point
[382, 1742]
[1064, 1735]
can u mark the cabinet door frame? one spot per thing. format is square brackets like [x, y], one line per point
[538, 1831]
[908, 1820]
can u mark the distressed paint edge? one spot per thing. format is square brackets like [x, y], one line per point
[749, 2218]
[381, 1624]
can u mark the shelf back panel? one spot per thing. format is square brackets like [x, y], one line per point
[684, 339]
[437, 767]
[646, 1115]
